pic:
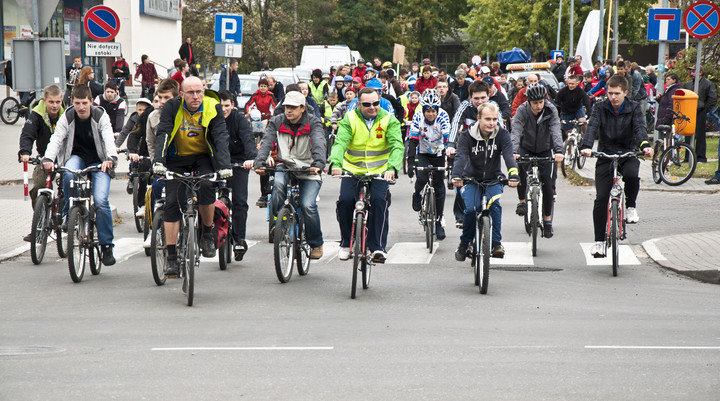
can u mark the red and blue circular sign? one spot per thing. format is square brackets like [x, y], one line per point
[702, 19]
[102, 23]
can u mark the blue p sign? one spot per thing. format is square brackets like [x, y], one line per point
[228, 28]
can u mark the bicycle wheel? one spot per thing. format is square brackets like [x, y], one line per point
[484, 269]
[476, 260]
[357, 251]
[158, 252]
[579, 157]
[40, 228]
[302, 250]
[192, 254]
[677, 164]
[136, 204]
[534, 219]
[93, 244]
[284, 245]
[429, 218]
[224, 249]
[9, 110]
[656, 162]
[569, 153]
[147, 227]
[614, 234]
[59, 242]
[75, 248]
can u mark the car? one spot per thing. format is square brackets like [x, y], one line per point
[284, 77]
[303, 72]
[522, 70]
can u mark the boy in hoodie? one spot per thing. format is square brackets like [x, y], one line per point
[113, 104]
[262, 100]
[479, 149]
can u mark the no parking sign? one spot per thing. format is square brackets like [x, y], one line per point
[702, 19]
[101, 23]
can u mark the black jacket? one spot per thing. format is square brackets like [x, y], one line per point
[242, 143]
[480, 158]
[503, 104]
[461, 91]
[185, 52]
[36, 129]
[136, 142]
[559, 71]
[450, 104]
[707, 95]
[568, 101]
[279, 92]
[665, 104]
[616, 133]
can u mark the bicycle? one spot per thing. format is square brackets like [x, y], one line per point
[188, 246]
[225, 250]
[47, 217]
[674, 161]
[289, 243]
[533, 221]
[11, 109]
[82, 240]
[615, 227]
[137, 176]
[571, 148]
[158, 250]
[428, 213]
[362, 259]
[479, 249]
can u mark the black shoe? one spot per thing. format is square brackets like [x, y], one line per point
[261, 202]
[713, 181]
[498, 251]
[107, 255]
[521, 209]
[207, 244]
[547, 229]
[459, 224]
[172, 269]
[240, 248]
[461, 252]
[439, 231]
[702, 160]
[128, 189]
[27, 238]
[64, 224]
[416, 199]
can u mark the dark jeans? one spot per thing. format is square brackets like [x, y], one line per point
[603, 182]
[200, 164]
[700, 145]
[377, 218]
[239, 186]
[425, 160]
[148, 91]
[546, 178]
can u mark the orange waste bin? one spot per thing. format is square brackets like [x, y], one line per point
[685, 102]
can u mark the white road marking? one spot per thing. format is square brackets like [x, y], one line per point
[330, 251]
[244, 349]
[627, 256]
[516, 253]
[410, 253]
[669, 347]
[127, 247]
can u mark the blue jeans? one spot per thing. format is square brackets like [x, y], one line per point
[100, 190]
[377, 219]
[472, 196]
[309, 190]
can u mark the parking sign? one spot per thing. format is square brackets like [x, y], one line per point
[228, 28]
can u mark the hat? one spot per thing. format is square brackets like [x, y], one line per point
[485, 70]
[386, 64]
[294, 99]
[489, 80]
[357, 79]
[350, 89]
[144, 100]
[368, 64]
[374, 83]
[347, 78]
[370, 69]
[426, 61]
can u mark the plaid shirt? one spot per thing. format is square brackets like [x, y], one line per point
[149, 75]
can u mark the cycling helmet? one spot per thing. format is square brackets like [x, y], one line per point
[360, 61]
[374, 83]
[430, 98]
[386, 64]
[255, 115]
[536, 92]
[347, 78]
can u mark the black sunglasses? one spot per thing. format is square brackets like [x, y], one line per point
[370, 104]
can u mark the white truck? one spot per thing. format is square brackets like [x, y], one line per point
[326, 56]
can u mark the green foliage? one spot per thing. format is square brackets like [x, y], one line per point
[688, 57]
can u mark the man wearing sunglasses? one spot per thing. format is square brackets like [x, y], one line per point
[368, 141]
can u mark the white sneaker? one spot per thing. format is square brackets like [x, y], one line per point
[631, 215]
[317, 198]
[598, 250]
[147, 244]
[140, 212]
[344, 254]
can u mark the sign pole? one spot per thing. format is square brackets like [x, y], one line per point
[557, 40]
[227, 73]
[572, 37]
[36, 47]
[660, 85]
[698, 64]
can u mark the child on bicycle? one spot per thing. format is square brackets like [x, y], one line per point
[619, 125]
[478, 153]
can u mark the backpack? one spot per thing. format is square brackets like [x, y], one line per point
[221, 222]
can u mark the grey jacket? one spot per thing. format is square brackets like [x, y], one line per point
[536, 136]
[61, 142]
[304, 147]
[339, 111]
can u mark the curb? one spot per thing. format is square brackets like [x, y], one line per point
[705, 276]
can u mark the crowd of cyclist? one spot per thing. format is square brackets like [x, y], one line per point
[358, 119]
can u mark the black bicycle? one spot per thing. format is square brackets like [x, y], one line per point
[136, 177]
[428, 215]
[571, 148]
[47, 217]
[11, 109]
[533, 197]
[674, 161]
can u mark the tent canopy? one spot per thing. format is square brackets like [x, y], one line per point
[516, 55]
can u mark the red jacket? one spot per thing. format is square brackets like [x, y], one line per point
[359, 72]
[421, 84]
[265, 103]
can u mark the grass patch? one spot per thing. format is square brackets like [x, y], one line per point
[575, 179]
[703, 170]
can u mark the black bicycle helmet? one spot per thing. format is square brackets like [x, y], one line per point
[535, 92]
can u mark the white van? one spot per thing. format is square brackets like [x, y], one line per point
[325, 56]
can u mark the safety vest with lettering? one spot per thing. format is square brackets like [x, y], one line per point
[368, 151]
[318, 92]
[208, 113]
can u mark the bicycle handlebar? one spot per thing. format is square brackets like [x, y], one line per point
[171, 175]
[574, 122]
[85, 171]
[679, 116]
[430, 168]
[604, 155]
[532, 159]
[471, 180]
[363, 177]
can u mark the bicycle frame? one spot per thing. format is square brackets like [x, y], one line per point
[616, 193]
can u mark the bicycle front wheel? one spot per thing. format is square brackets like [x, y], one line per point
[484, 268]
[192, 253]
[93, 244]
[569, 153]
[136, 204]
[75, 247]
[656, 162]
[223, 250]
[357, 251]
[429, 218]
[302, 250]
[40, 229]
[615, 234]
[9, 110]
[677, 164]
[534, 219]
[284, 244]
[158, 252]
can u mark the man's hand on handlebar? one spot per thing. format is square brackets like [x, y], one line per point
[314, 170]
[336, 171]
[648, 151]
[248, 164]
[133, 157]
[559, 157]
[24, 158]
[450, 151]
[586, 152]
[107, 165]
[389, 176]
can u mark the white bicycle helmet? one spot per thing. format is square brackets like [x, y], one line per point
[430, 98]
[255, 115]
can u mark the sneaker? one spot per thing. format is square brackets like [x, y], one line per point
[713, 181]
[344, 253]
[379, 256]
[439, 231]
[316, 253]
[172, 268]
[147, 244]
[598, 250]
[521, 209]
[140, 212]
[547, 229]
[461, 252]
[128, 189]
[239, 250]
[498, 251]
[416, 199]
[459, 223]
[107, 255]
[317, 198]
[27, 238]
[261, 202]
[207, 245]
[631, 216]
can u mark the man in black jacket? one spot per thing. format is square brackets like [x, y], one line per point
[186, 53]
[242, 148]
[460, 85]
[619, 125]
[559, 69]
[707, 97]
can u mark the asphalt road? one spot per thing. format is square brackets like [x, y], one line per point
[551, 327]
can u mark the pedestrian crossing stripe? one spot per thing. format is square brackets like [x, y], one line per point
[627, 256]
